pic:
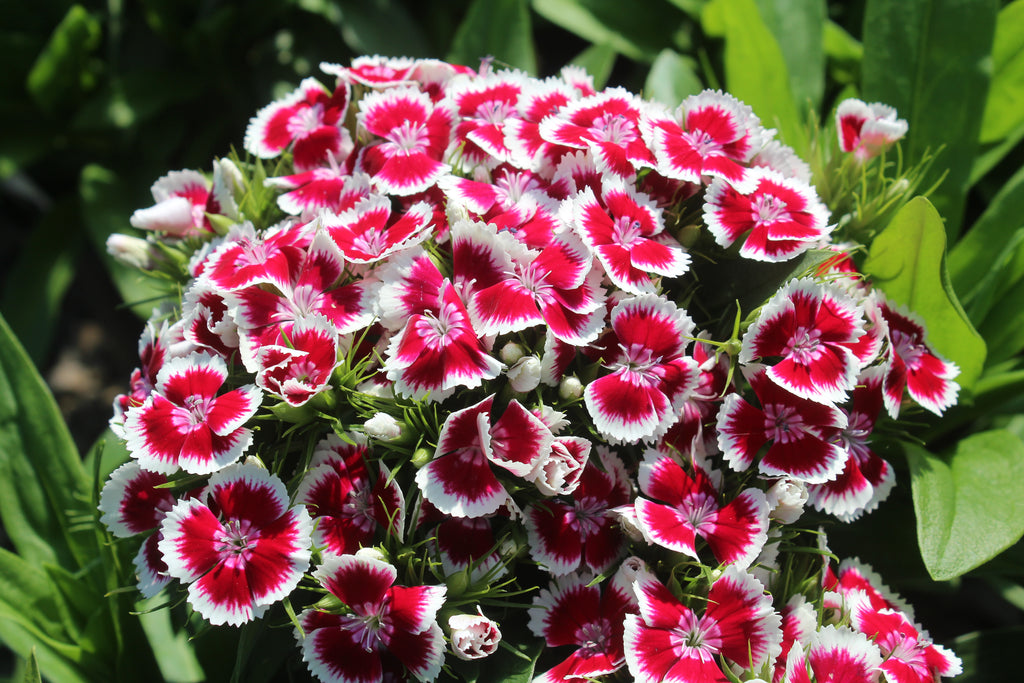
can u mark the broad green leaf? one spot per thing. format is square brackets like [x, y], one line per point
[798, 27]
[930, 60]
[598, 60]
[906, 261]
[986, 655]
[970, 260]
[1003, 274]
[64, 67]
[42, 483]
[638, 30]
[35, 286]
[755, 70]
[1004, 109]
[496, 28]
[172, 649]
[989, 156]
[961, 524]
[672, 79]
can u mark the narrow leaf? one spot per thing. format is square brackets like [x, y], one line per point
[906, 261]
[798, 27]
[61, 70]
[960, 524]
[1003, 329]
[756, 72]
[496, 28]
[1004, 109]
[930, 60]
[32, 674]
[639, 30]
[598, 60]
[42, 482]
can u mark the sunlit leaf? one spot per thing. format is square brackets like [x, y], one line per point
[960, 523]
[1004, 109]
[672, 79]
[906, 261]
[496, 28]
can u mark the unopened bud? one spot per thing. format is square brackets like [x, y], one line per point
[131, 251]
[511, 352]
[786, 498]
[383, 427]
[570, 388]
[525, 374]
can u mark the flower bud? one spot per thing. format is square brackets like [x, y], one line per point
[134, 252]
[473, 636]
[511, 352]
[787, 497]
[525, 374]
[421, 456]
[372, 553]
[383, 427]
[570, 387]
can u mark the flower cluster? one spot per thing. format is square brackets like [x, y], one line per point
[485, 348]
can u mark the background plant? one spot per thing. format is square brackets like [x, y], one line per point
[99, 100]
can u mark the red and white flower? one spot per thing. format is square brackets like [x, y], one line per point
[410, 135]
[668, 641]
[682, 508]
[582, 532]
[810, 328]
[575, 611]
[459, 480]
[867, 130]
[367, 232]
[709, 134]
[778, 219]
[348, 505]
[184, 198]
[473, 636]
[310, 120]
[239, 547]
[382, 631]
[301, 369]
[912, 365]
[834, 653]
[187, 423]
[627, 234]
[651, 378]
[796, 431]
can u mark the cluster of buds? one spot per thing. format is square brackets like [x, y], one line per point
[467, 363]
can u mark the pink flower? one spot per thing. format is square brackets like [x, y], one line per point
[574, 611]
[186, 423]
[368, 232]
[301, 369]
[184, 198]
[410, 135]
[473, 636]
[809, 328]
[310, 120]
[651, 378]
[668, 641]
[797, 432]
[690, 508]
[240, 547]
[779, 219]
[867, 130]
[381, 629]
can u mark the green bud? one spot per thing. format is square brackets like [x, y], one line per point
[421, 456]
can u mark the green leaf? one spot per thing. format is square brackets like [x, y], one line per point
[378, 27]
[1003, 329]
[970, 260]
[960, 523]
[42, 483]
[598, 60]
[172, 649]
[844, 54]
[755, 70]
[1004, 109]
[798, 27]
[930, 60]
[63, 68]
[32, 674]
[496, 28]
[36, 284]
[672, 79]
[906, 261]
[639, 30]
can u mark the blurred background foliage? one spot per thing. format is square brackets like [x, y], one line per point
[99, 99]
